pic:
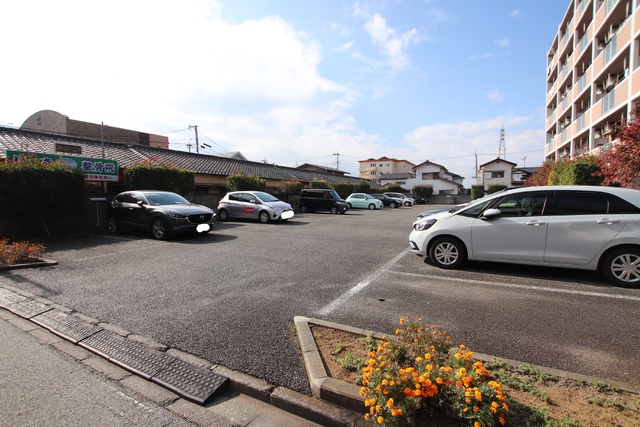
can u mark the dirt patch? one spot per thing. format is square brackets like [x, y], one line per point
[535, 399]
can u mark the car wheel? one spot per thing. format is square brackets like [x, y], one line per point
[621, 266]
[223, 215]
[303, 209]
[372, 206]
[393, 205]
[334, 210]
[350, 207]
[264, 217]
[159, 229]
[407, 203]
[448, 253]
[343, 211]
[112, 225]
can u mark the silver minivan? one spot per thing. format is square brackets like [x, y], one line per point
[253, 205]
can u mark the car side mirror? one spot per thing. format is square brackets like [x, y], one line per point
[491, 214]
[139, 202]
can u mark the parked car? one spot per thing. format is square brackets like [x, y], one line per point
[388, 201]
[322, 199]
[406, 201]
[418, 200]
[363, 200]
[450, 209]
[581, 227]
[253, 205]
[160, 212]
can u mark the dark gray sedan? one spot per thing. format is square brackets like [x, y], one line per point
[160, 212]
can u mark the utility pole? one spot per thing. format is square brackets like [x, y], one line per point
[337, 154]
[197, 146]
[524, 161]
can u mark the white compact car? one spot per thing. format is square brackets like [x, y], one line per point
[253, 205]
[582, 227]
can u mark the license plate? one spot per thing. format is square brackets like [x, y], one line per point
[287, 215]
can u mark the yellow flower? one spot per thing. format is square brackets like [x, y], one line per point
[390, 403]
[477, 424]
[380, 420]
[402, 320]
[418, 359]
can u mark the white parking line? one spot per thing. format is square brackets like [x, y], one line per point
[513, 285]
[360, 286]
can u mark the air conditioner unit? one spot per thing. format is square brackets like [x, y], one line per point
[599, 89]
[597, 133]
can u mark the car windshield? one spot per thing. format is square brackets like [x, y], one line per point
[266, 197]
[157, 199]
[333, 194]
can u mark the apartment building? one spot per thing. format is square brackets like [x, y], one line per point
[593, 76]
[373, 168]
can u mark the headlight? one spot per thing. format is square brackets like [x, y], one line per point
[423, 225]
[175, 215]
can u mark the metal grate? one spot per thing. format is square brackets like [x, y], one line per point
[65, 325]
[190, 381]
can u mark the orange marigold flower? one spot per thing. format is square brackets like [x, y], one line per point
[390, 403]
[402, 320]
[477, 424]
[380, 420]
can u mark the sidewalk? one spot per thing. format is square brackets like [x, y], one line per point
[47, 380]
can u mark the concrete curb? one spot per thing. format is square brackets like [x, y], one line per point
[42, 263]
[347, 395]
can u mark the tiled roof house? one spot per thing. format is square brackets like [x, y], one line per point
[211, 171]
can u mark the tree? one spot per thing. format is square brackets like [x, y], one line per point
[620, 162]
[153, 174]
[243, 182]
[541, 177]
[425, 191]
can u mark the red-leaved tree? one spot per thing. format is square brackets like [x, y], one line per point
[620, 162]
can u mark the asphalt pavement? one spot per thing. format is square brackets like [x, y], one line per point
[47, 380]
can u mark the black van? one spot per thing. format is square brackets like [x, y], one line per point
[322, 199]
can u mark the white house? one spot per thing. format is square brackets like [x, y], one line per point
[497, 171]
[443, 182]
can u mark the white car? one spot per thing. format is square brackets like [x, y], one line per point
[253, 205]
[406, 201]
[582, 227]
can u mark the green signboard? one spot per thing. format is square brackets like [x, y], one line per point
[94, 169]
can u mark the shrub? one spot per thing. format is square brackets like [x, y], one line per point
[494, 188]
[477, 191]
[289, 189]
[344, 189]
[425, 191]
[419, 372]
[153, 174]
[31, 187]
[12, 253]
[242, 182]
[362, 186]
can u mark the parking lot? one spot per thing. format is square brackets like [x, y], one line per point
[231, 296]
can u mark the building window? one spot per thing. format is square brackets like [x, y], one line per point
[497, 174]
[373, 165]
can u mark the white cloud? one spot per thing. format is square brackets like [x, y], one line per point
[392, 44]
[504, 43]
[495, 96]
[516, 13]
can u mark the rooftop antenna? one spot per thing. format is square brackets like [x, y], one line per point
[502, 151]
[524, 161]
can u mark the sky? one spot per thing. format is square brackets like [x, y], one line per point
[326, 82]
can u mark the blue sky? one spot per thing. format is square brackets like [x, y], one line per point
[292, 82]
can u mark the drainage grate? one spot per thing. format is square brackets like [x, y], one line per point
[131, 355]
[190, 381]
[65, 325]
[27, 308]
